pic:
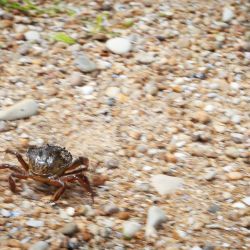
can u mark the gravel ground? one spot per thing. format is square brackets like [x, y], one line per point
[156, 94]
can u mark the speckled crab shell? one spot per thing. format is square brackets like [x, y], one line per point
[48, 160]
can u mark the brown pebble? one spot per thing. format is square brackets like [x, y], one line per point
[170, 158]
[99, 180]
[123, 215]
[200, 116]
[14, 243]
[86, 235]
[234, 176]
[8, 199]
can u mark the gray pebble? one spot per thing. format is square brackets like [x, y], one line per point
[232, 152]
[151, 89]
[110, 209]
[4, 126]
[84, 64]
[69, 229]
[34, 223]
[40, 245]
[32, 36]
[214, 208]
[130, 228]
[112, 163]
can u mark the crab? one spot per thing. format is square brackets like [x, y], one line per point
[52, 165]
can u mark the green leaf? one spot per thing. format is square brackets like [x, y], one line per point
[63, 37]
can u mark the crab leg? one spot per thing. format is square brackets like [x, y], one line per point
[19, 158]
[11, 167]
[12, 182]
[76, 163]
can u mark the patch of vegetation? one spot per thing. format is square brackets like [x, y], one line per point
[63, 37]
[28, 7]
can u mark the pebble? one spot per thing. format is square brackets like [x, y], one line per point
[214, 208]
[236, 119]
[5, 213]
[32, 36]
[155, 218]
[246, 200]
[166, 184]
[112, 92]
[239, 205]
[228, 14]
[87, 90]
[84, 64]
[22, 109]
[234, 176]
[232, 152]
[110, 209]
[70, 211]
[145, 58]
[112, 163]
[69, 229]
[4, 126]
[151, 89]
[130, 228]
[200, 116]
[75, 79]
[40, 245]
[119, 45]
[34, 223]
[210, 175]
[237, 138]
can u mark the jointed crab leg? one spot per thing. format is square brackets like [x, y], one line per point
[12, 181]
[76, 163]
[19, 158]
[11, 167]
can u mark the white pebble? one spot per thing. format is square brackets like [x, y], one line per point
[112, 92]
[228, 14]
[70, 211]
[87, 90]
[34, 223]
[22, 109]
[130, 228]
[246, 200]
[32, 36]
[156, 216]
[166, 184]
[239, 205]
[119, 45]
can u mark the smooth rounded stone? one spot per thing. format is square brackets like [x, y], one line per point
[200, 116]
[155, 218]
[239, 205]
[145, 58]
[165, 184]
[112, 163]
[228, 14]
[40, 245]
[232, 152]
[75, 79]
[22, 109]
[34, 223]
[214, 208]
[130, 228]
[234, 175]
[151, 89]
[112, 92]
[69, 229]
[87, 90]
[246, 200]
[201, 136]
[83, 63]
[236, 119]
[4, 126]
[143, 187]
[5, 213]
[70, 211]
[32, 36]
[142, 148]
[110, 209]
[119, 45]
[210, 175]
[236, 137]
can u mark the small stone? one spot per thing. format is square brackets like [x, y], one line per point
[228, 14]
[237, 138]
[200, 116]
[232, 152]
[246, 200]
[155, 218]
[34, 223]
[143, 187]
[119, 45]
[23, 109]
[112, 92]
[110, 209]
[234, 176]
[236, 119]
[75, 79]
[69, 229]
[166, 184]
[83, 63]
[112, 163]
[201, 136]
[145, 58]
[99, 180]
[214, 208]
[123, 215]
[87, 90]
[70, 211]
[239, 205]
[5, 213]
[4, 126]
[40, 245]
[210, 176]
[86, 235]
[130, 228]
[151, 89]
[32, 36]
[142, 148]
